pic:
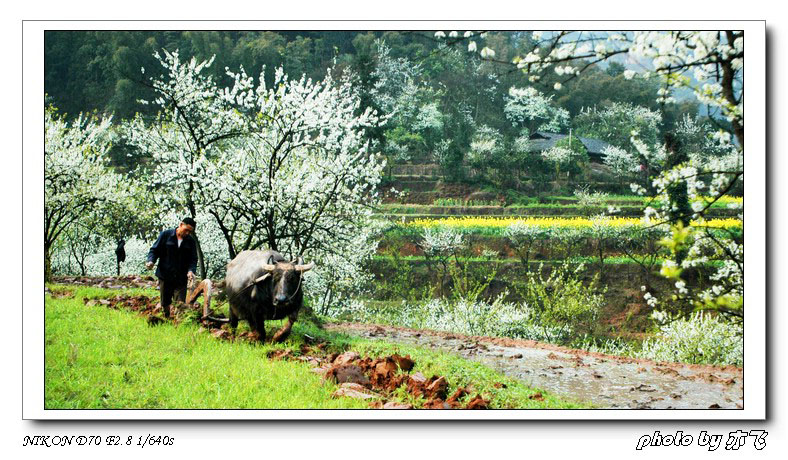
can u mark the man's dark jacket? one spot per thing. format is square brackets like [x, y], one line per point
[174, 262]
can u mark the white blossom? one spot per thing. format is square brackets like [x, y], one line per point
[650, 300]
[527, 106]
[558, 155]
[487, 53]
[486, 144]
[622, 162]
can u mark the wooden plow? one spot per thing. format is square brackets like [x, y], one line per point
[205, 289]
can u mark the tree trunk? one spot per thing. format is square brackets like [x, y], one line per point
[680, 210]
[47, 263]
[727, 90]
[193, 213]
[200, 256]
[601, 250]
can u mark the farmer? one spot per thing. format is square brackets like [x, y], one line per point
[176, 251]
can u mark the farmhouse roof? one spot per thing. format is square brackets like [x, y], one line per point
[542, 140]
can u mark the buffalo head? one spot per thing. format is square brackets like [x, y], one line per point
[285, 278]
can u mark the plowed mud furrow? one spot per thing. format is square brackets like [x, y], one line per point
[603, 380]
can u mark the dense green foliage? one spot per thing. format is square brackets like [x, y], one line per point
[441, 93]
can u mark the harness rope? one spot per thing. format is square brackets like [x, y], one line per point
[262, 278]
[300, 277]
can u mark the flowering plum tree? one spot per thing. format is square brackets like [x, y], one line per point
[700, 140]
[486, 146]
[286, 166]
[559, 156]
[621, 161]
[413, 119]
[77, 179]
[522, 237]
[616, 122]
[528, 108]
[80, 241]
[394, 78]
[303, 179]
[195, 121]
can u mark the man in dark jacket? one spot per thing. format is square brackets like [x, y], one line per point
[176, 251]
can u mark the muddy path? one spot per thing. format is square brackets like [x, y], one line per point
[605, 381]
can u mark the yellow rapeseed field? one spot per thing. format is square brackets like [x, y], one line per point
[725, 199]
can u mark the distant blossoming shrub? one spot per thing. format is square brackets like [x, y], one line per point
[496, 318]
[699, 339]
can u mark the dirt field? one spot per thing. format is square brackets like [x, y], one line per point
[606, 381]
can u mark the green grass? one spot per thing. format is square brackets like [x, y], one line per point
[463, 202]
[635, 199]
[415, 232]
[612, 260]
[98, 358]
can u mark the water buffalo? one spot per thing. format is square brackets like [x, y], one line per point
[263, 285]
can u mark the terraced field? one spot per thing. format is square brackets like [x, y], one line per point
[507, 237]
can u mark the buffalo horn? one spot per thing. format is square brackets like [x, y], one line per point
[305, 268]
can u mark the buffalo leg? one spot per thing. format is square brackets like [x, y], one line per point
[284, 332]
[233, 319]
[257, 323]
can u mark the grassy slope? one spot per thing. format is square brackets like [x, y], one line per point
[101, 358]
